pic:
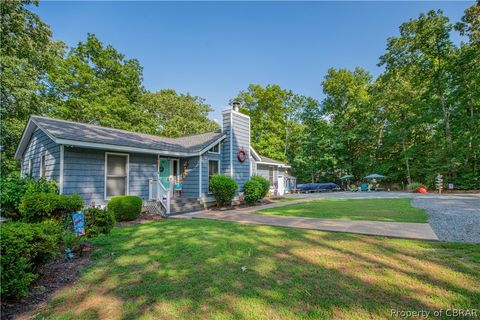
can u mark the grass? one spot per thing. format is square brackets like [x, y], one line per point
[391, 210]
[192, 269]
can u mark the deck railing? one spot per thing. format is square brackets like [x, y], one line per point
[157, 191]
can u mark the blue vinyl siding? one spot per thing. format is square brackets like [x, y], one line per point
[84, 173]
[237, 130]
[205, 159]
[190, 185]
[40, 144]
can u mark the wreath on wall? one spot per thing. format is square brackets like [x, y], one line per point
[241, 155]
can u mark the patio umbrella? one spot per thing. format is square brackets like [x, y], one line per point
[374, 176]
[347, 177]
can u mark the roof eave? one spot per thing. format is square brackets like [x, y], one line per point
[27, 133]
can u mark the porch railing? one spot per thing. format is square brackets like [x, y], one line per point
[156, 191]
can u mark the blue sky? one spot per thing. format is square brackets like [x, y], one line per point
[216, 49]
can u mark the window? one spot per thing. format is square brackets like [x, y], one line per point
[215, 149]
[270, 175]
[29, 167]
[116, 174]
[213, 169]
[42, 166]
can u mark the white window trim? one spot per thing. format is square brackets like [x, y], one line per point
[208, 176]
[105, 173]
[219, 149]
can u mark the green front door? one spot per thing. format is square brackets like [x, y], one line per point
[164, 173]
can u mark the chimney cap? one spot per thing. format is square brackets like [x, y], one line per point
[236, 105]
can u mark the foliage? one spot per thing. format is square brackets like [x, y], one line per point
[272, 112]
[125, 208]
[265, 184]
[169, 111]
[414, 186]
[24, 247]
[98, 221]
[27, 53]
[43, 206]
[90, 82]
[253, 191]
[14, 188]
[94, 83]
[223, 189]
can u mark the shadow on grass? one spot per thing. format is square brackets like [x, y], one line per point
[192, 269]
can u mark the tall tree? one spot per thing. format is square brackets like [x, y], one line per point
[466, 98]
[94, 83]
[423, 55]
[175, 115]
[348, 105]
[270, 112]
[26, 54]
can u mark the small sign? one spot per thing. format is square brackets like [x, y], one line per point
[450, 186]
[78, 223]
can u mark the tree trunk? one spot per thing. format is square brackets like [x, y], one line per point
[407, 164]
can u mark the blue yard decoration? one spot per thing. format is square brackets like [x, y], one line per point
[78, 223]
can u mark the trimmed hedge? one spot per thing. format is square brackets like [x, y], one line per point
[265, 184]
[43, 206]
[98, 221]
[223, 189]
[125, 208]
[24, 247]
[253, 191]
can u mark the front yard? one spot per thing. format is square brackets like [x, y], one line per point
[198, 269]
[389, 210]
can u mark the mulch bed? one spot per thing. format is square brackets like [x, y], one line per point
[244, 205]
[53, 276]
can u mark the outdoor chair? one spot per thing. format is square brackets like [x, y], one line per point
[352, 188]
[364, 187]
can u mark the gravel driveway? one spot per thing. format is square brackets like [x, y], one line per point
[453, 217]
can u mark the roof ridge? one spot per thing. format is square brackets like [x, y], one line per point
[103, 127]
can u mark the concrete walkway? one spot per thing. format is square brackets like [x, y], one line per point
[421, 231]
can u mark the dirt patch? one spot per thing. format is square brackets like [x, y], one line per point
[53, 276]
[142, 218]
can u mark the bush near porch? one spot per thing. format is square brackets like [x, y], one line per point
[125, 208]
[223, 189]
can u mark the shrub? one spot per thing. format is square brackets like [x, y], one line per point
[125, 208]
[265, 184]
[98, 221]
[253, 191]
[414, 186]
[14, 188]
[223, 189]
[43, 206]
[24, 247]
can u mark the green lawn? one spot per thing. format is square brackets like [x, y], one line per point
[398, 210]
[192, 269]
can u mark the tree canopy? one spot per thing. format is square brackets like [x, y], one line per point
[420, 116]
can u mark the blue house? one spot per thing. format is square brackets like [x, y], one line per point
[169, 174]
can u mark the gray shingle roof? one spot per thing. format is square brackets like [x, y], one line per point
[82, 132]
[270, 160]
